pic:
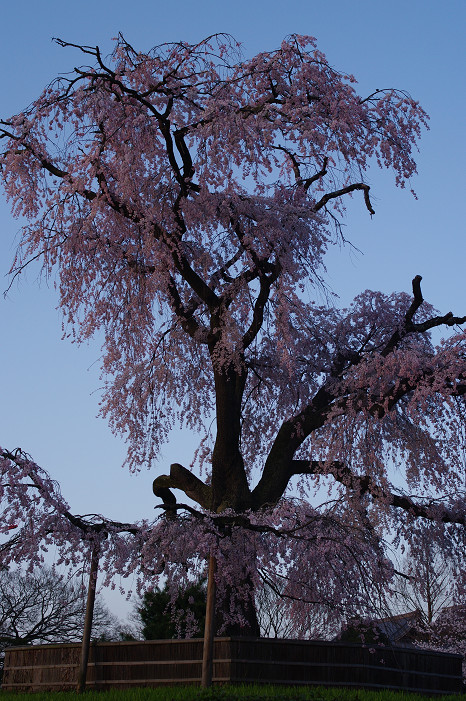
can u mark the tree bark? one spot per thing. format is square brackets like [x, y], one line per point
[230, 487]
[251, 628]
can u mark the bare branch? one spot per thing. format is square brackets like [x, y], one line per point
[344, 191]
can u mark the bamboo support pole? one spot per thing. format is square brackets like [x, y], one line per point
[209, 630]
[81, 685]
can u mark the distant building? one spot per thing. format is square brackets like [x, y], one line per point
[403, 630]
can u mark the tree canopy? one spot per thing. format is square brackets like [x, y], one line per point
[187, 197]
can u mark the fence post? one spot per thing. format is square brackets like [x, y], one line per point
[209, 630]
[81, 685]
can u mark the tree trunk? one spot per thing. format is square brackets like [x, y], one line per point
[251, 628]
[230, 487]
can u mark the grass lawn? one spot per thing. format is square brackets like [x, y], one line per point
[230, 693]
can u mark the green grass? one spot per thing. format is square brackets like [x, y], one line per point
[229, 693]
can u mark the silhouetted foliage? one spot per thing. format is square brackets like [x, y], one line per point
[162, 617]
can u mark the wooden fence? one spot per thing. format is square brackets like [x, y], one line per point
[236, 660]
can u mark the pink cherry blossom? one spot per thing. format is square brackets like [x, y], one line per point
[186, 199]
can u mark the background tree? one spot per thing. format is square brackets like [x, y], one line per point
[187, 198]
[159, 616]
[430, 586]
[276, 618]
[43, 607]
[428, 583]
[447, 632]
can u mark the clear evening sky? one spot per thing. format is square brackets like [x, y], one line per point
[49, 387]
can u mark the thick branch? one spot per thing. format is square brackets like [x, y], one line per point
[307, 182]
[410, 327]
[266, 282]
[181, 478]
[186, 316]
[221, 273]
[278, 466]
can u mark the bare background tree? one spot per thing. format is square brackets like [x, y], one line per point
[276, 618]
[427, 583]
[44, 607]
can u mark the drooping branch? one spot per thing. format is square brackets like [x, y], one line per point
[380, 406]
[280, 466]
[331, 399]
[195, 281]
[47, 488]
[366, 484]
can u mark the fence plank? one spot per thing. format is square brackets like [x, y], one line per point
[236, 660]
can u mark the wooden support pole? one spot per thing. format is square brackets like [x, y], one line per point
[209, 630]
[81, 685]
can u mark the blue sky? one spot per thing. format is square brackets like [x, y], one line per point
[49, 387]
